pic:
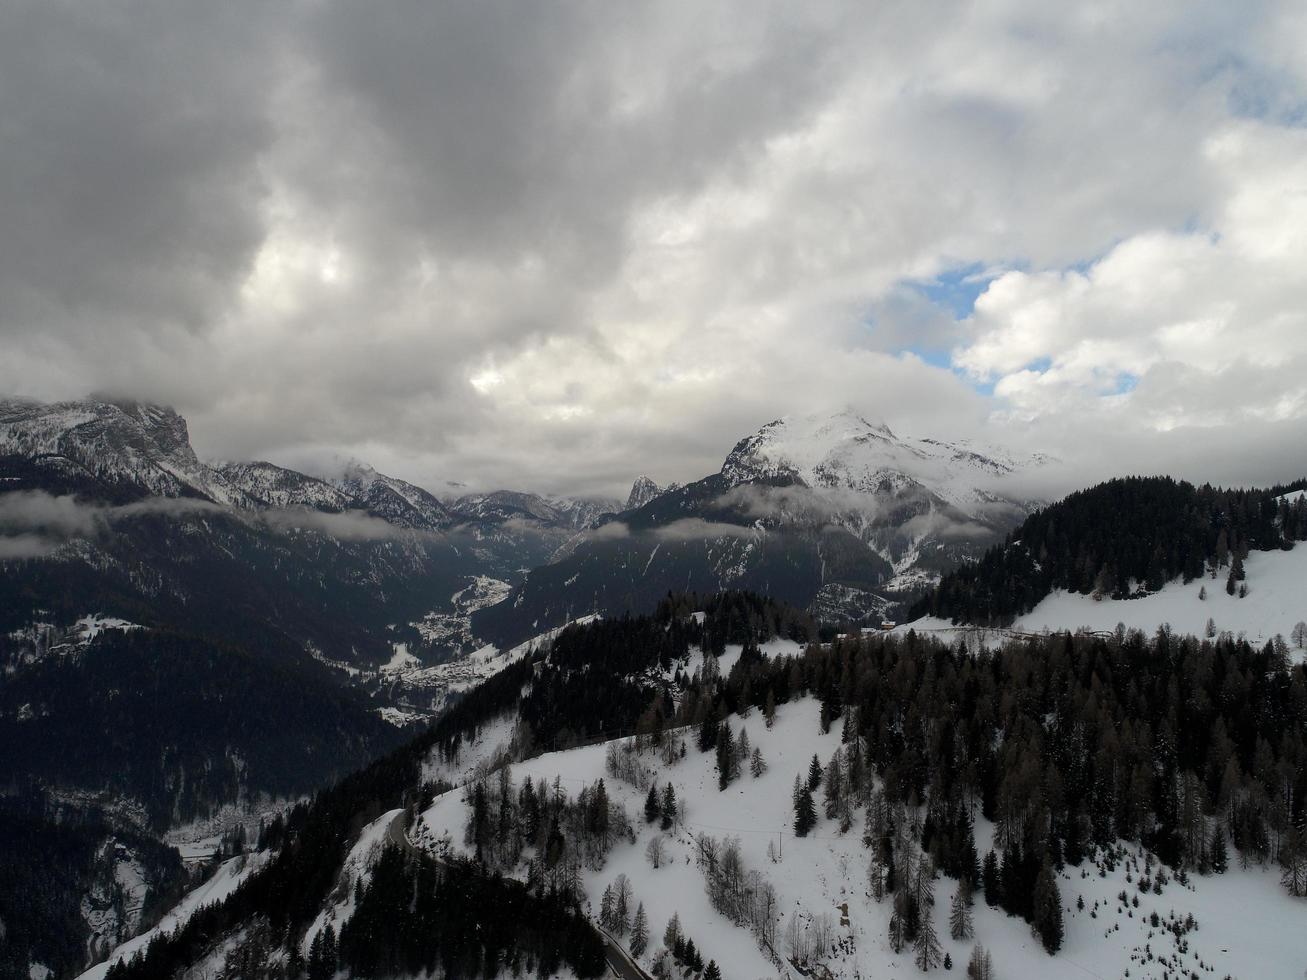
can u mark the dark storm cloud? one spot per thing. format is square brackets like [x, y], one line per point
[129, 185]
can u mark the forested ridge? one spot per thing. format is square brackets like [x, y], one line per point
[1118, 539]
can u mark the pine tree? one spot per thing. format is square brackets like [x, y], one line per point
[712, 973]
[1293, 861]
[898, 938]
[669, 810]
[621, 904]
[1218, 855]
[652, 808]
[814, 774]
[876, 868]
[315, 967]
[834, 790]
[769, 709]
[990, 877]
[691, 954]
[672, 934]
[757, 764]
[707, 732]
[928, 948]
[725, 756]
[830, 708]
[1048, 910]
[639, 932]
[606, 909]
[960, 925]
[805, 813]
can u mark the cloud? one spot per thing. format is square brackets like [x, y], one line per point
[802, 503]
[15, 547]
[36, 519]
[64, 517]
[558, 246]
[347, 526]
[946, 527]
[697, 529]
[609, 531]
[35, 510]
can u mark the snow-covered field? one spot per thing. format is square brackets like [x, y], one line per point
[1246, 924]
[1276, 602]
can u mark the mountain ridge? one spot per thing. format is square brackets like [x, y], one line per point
[829, 512]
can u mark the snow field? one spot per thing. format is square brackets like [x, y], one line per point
[1276, 601]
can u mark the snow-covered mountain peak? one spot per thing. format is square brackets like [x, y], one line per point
[401, 503]
[116, 443]
[845, 451]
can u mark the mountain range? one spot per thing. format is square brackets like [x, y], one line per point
[830, 512]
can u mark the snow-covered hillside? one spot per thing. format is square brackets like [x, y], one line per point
[1276, 602]
[1242, 917]
[276, 486]
[225, 880]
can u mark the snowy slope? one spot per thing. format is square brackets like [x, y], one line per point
[275, 486]
[357, 867]
[223, 882]
[397, 501]
[1243, 916]
[1276, 602]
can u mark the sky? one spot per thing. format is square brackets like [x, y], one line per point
[556, 245]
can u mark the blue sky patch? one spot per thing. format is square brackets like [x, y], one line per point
[957, 289]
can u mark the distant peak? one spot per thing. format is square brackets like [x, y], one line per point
[643, 490]
[357, 471]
